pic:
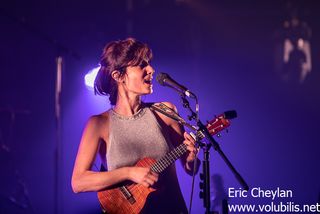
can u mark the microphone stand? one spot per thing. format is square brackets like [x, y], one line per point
[205, 176]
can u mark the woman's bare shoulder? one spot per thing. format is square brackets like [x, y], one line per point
[99, 119]
[99, 124]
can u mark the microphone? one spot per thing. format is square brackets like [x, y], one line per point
[165, 80]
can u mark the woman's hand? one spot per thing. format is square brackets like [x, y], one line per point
[190, 142]
[142, 175]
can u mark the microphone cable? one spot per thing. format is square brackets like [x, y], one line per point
[196, 159]
[193, 178]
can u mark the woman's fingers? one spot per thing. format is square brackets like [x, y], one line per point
[190, 142]
[188, 137]
[150, 179]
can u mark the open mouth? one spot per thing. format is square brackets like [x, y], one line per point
[148, 81]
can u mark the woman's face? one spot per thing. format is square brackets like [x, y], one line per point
[138, 79]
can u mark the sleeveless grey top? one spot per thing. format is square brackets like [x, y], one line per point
[133, 138]
[138, 136]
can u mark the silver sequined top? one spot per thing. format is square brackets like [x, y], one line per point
[133, 138]
[138, 136]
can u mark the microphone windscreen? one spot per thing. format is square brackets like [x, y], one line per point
[161, 77]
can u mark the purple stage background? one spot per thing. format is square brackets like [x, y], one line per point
[224, 51]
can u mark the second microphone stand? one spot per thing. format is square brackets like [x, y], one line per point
[205, 175]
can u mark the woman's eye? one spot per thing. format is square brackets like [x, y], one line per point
[143, 64]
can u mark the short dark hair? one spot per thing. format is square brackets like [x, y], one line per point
[118, 55]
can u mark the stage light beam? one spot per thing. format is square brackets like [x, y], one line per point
[90, 77]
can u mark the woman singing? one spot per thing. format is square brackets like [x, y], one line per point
[130, 130]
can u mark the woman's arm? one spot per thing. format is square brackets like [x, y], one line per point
[84, 179]
[177, 136]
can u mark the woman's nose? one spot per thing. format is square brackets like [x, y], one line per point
[150, 69]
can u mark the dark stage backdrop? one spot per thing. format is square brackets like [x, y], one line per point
[224, 51]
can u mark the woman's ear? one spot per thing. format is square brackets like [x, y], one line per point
[116, 76]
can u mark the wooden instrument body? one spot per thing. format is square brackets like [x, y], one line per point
[115, 201]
